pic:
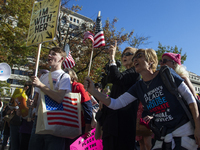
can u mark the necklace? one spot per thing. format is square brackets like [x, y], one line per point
[148, 83]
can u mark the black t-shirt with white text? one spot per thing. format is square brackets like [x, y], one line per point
[159, 102]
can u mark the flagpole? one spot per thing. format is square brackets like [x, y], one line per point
[32, 89]
[90, 61]
[99, 14]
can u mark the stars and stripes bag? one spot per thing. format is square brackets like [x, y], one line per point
[62, 120]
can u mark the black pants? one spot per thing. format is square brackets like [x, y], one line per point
[24, 141]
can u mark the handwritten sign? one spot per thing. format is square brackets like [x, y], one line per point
[43, 22]
[87, 144]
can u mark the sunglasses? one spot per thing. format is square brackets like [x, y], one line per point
[164, 61]
[138, 56]
[127, 54]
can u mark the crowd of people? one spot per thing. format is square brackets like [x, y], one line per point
[138, 98]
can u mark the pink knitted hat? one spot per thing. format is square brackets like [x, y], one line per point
[175, 57]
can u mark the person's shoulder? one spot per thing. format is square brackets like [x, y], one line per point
[43, 76]
[65, 75]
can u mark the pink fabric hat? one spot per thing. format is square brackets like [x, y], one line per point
[175, 57]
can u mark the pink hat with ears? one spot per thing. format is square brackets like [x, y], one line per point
[175, 57]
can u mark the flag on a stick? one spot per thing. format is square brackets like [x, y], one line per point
[88, 35]
[99, 36]
[68, 62]
[97, 39]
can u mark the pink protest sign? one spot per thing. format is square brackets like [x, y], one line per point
[87, 144]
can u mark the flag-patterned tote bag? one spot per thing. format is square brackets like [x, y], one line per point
[62, 120]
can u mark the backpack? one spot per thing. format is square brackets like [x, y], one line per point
[169, 82]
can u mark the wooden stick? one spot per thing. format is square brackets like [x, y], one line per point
[90, 61]
[99, 14]
[36, 72]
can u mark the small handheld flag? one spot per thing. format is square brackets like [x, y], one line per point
[99, 36]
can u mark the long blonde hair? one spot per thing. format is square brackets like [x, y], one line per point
[72, 74]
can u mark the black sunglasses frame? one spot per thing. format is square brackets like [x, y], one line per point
[139, 55]
[127, 54]
[164, 61]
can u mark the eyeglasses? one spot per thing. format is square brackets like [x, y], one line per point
[164, 61]
[127, 54]
[138, 56]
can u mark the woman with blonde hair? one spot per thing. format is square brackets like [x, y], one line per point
[114, 125]
[174, 61]
[169, 117]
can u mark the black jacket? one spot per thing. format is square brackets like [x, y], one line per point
[121, 123]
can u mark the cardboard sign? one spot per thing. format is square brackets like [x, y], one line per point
[87, 144]
[43, 22]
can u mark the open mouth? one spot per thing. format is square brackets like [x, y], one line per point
[124, 60]
[136, 64]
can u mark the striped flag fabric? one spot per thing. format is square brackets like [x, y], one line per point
[68, 62]
[64, 113]
[99, 35]
[88, 35]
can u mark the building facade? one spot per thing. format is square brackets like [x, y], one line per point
[195, 79]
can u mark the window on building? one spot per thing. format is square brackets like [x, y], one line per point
[73, 26]
[77, 21]
[195, 88]
[74, 20]
[16, 71]
[70, 18]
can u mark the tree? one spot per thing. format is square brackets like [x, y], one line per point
[14, 23]
[163, 49]
[82, 51]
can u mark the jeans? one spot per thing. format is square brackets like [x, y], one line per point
[14, 137]
[45, 141]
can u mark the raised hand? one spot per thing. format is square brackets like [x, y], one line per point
[112, 50]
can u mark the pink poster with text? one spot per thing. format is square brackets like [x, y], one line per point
[87, 144]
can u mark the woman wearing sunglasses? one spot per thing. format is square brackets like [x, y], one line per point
[169, 117]
[115, 127]
[174, 61]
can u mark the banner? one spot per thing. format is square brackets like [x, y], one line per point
[87, 144]
[43, 22]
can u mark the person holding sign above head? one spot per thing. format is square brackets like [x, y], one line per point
[61, 84]
[115, 125]
[175, 131]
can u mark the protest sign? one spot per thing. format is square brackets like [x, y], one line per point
[89, 143]
[43, 22]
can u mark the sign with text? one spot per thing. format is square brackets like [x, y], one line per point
[43, 22]
[89, 143]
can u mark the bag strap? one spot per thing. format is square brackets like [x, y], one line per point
[169, 82]
[51, 81]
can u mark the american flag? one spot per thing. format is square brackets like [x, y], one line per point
[68, 62]
[64, 113]
[88, 35]
[97, 39]
[99, 36]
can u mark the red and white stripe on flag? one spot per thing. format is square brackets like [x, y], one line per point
[67, 117]
[88, 35]
[69, 62]
[99, 40]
